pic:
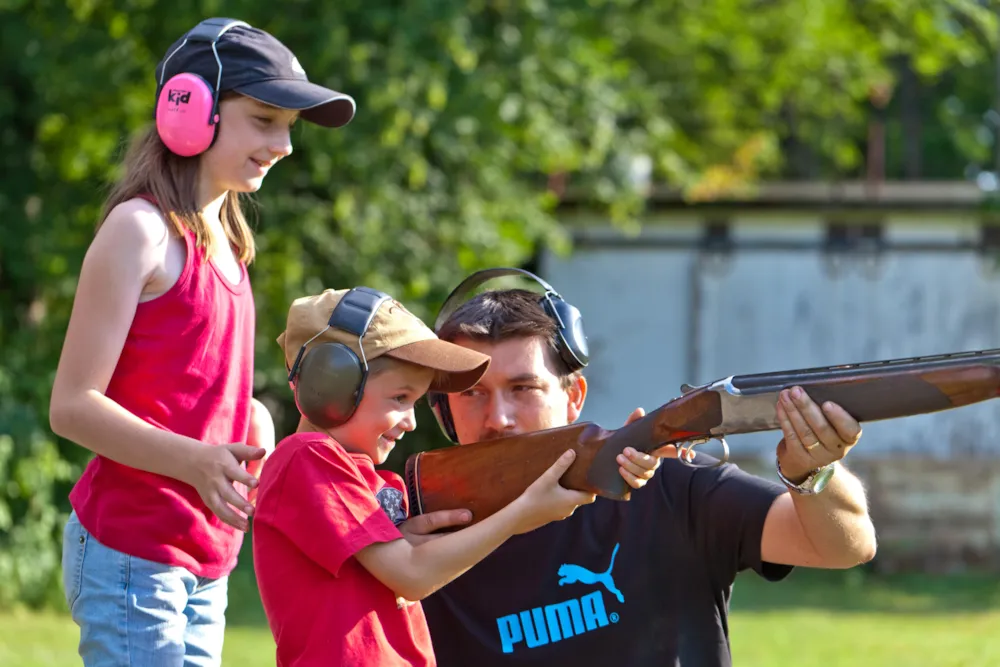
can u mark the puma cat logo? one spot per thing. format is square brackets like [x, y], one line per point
[572, 574]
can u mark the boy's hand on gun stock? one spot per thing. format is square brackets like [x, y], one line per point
[418, 529]
[635, 467]
[638, 468]
[214, 470]
[546, 500]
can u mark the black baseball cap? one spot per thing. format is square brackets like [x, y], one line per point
[255, 64]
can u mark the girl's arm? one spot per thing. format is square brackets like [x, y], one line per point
[262, 436]
[415, 571]
[126, 254]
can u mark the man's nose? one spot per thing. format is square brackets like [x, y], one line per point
[499, 414]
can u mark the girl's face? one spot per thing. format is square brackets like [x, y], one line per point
[252, 138]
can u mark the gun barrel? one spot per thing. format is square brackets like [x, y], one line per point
[485, 477]
[867, 391]
[775, 382]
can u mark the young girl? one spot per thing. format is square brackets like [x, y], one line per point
[156, 371]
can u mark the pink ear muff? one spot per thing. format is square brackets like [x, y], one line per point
[183, 111]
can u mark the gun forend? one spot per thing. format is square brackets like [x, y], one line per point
[483, 477]
[868, 391]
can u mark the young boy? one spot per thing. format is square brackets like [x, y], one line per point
[335, 573]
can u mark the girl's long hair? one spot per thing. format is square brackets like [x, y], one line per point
[150, 168]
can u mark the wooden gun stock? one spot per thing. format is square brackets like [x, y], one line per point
[485, 476]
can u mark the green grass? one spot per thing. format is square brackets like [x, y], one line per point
[813, 619]
[50, 639]
[841, 619]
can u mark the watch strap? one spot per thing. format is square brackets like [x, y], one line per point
[811, 485]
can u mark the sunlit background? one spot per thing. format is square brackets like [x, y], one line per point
[721, 186]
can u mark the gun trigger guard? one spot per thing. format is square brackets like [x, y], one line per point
[691, 444]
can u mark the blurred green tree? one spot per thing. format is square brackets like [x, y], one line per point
[472, 115]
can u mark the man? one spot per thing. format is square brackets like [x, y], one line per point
[646, 581]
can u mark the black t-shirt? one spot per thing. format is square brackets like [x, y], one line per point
[642, 582]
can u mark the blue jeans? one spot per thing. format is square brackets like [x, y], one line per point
[132, 611]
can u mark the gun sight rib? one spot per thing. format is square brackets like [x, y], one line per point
[770, 382]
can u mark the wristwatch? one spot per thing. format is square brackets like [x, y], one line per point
[811, 485]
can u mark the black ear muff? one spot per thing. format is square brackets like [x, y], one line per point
[571, 341]
[329, 380]
[573, 346]
[329, 386]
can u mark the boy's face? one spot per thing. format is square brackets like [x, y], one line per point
[385, 412]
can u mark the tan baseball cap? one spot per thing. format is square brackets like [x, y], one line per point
[394, 332]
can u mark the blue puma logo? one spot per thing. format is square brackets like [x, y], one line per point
[555, 622]
[571, 574]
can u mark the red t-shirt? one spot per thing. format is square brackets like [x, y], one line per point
[318, 505]
[187, 367]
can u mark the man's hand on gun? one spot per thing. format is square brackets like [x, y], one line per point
[814, 435]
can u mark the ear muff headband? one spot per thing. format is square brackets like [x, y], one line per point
[188, 115]
[329, 380]
[571, 340]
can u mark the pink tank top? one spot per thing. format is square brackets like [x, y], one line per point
[187, 367]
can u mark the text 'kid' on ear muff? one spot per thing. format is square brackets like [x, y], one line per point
[571, 341]
[187, 106]
[329, 380]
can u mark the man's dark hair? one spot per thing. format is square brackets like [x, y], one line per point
[500, 315]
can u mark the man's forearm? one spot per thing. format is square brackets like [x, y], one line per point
[836, 521]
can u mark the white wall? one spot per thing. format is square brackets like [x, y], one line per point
[659, 312]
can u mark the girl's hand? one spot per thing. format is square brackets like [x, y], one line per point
[214, 470]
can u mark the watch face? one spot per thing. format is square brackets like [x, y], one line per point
[822, 478]
[814, 483]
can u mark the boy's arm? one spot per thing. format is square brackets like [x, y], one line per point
[318, 500]
[423, 527]
[414, 571]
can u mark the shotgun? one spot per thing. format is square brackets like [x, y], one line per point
[485, 476]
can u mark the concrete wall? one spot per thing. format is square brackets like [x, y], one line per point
[660, 309]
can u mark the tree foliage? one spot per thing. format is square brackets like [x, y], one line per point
[466, 110]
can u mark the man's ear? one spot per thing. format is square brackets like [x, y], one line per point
[577, 395]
